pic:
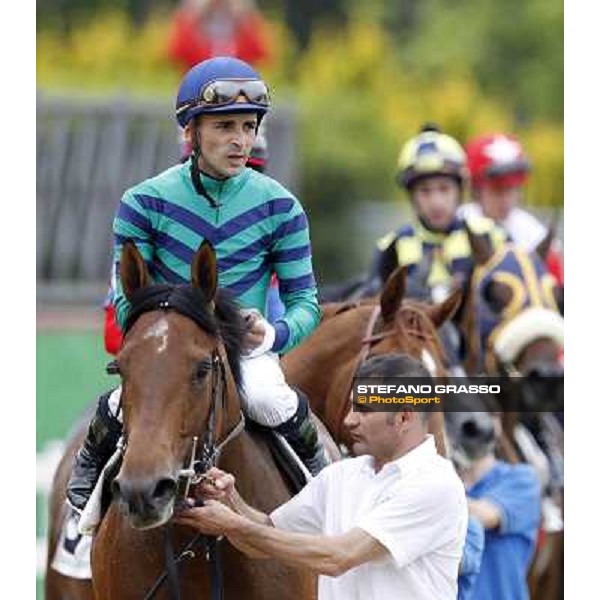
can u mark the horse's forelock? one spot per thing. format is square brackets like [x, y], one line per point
[223, 318]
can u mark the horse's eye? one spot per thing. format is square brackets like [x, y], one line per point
[202, 370]
[112, 368]
[497, 295]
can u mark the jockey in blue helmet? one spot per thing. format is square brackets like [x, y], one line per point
[221, 85]
[257, 228]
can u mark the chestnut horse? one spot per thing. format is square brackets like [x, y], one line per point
[323, 365]
[180, 371]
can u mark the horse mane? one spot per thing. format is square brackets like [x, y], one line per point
[222, 319]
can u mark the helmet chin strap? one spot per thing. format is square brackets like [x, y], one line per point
[195, 169]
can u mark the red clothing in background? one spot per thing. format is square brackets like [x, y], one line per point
[193, 39]
[113, 337]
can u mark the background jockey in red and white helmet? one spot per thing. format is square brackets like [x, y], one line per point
[499, 169]
[259, 156]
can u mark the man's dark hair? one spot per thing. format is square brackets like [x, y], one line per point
[396, 365]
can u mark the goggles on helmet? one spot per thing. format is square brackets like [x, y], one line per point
[227, 91]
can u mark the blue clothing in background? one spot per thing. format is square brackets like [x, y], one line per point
[515, 490]
[471, 560]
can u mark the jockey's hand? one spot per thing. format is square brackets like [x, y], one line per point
[260, 334]
[216, 485]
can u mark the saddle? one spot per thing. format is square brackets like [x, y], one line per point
[287, 461]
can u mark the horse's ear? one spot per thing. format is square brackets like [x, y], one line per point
[543, 247]
[132, 269]
[481, 247]
[440, 313]
[204, 270]
[392, 294]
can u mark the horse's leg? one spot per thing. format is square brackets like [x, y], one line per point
[549, 582]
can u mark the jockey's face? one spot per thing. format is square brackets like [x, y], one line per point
[225, 142]
[498, 201]
[435, 200]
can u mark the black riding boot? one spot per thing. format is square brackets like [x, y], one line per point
[302, 435]
[100, 444]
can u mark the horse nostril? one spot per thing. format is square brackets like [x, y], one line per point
[164, 488]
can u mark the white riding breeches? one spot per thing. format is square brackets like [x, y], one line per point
[114, 401]
[269, 400]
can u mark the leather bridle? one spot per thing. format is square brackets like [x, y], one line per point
[194, 474]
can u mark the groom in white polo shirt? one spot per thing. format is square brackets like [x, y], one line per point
[388, 524]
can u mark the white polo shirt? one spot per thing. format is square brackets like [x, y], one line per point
[415, 506]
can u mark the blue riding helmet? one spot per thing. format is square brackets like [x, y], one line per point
[215, 86]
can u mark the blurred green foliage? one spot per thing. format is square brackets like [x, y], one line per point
[362, 88]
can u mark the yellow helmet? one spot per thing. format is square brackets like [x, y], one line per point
[431, 153]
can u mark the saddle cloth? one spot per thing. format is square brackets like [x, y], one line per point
[73, 551]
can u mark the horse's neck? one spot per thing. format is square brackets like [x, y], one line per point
[257, 476]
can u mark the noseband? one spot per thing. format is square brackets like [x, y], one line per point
[211, 450]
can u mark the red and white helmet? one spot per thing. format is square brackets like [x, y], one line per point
[497, 159]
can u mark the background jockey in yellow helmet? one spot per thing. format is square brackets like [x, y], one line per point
[435, 247]
[432, 168]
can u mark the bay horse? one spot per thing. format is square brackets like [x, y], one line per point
[324, 364]
[180, 372]
[322, 367]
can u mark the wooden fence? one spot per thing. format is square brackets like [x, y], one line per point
[89, 151]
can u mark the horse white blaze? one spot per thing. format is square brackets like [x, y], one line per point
[429, 362]
[160, 330]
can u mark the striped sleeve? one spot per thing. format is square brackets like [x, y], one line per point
[131, 222]
[291, 256]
